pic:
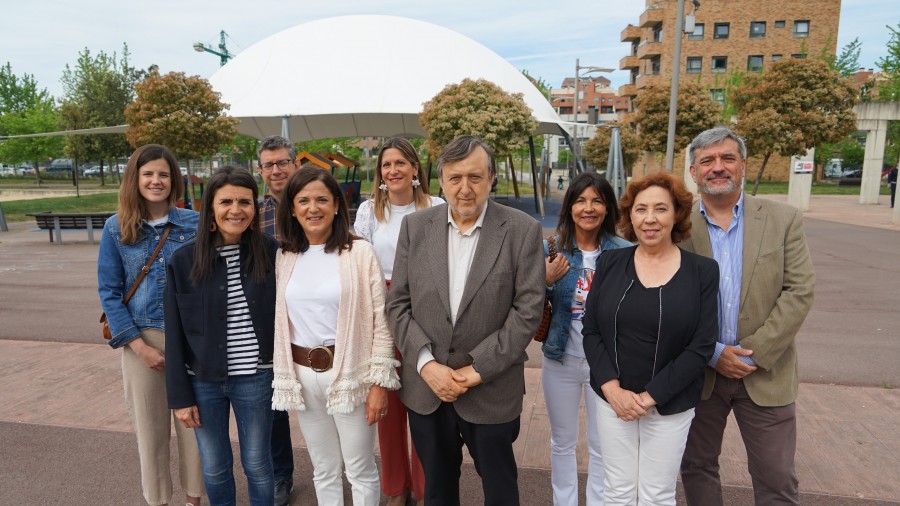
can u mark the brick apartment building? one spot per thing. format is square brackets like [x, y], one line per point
[727, 36]
[596, 95]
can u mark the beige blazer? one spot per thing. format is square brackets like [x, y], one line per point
[776, 293]
[500, 309]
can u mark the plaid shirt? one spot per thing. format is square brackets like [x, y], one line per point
[267, 215]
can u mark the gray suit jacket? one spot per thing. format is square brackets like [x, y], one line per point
[500, 310]
[776, 293]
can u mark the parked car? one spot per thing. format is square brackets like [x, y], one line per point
[93, 171]
[7, 170]
[857, 172]
[60, 166]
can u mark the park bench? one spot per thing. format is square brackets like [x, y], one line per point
[55, 223]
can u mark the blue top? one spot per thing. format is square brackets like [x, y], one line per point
[118, 266]
[561, 293]
[728, 250]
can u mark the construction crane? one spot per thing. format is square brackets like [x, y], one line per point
[223, 53]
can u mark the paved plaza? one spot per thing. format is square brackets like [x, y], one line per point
[66, 436]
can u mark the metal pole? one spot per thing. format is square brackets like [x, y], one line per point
[575, 151]
[538, 202]
[673, 96]
[286, 126]
[3, 226]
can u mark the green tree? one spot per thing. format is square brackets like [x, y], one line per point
[796, 104]
[887, 88]
[538, 83]
[847, 63]
[697, 112]
[481, 108]
[96, 92]
[596, 150]
[180, 112]
[26, 109]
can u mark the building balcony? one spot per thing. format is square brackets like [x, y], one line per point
[628, 90]
[652, 17]
[629, 62]
[649, 50]
[648, 80]
[631, 33]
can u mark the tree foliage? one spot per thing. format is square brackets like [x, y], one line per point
[26, 109]
[97, 91]
[538, 83]
[596, 150]
[180, 112]
[697, 112]
[481, 108]
[888, 89]
[847, 63]
[796, 104]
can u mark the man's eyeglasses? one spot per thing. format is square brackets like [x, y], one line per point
[282, 164]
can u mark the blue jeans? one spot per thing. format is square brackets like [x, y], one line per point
[250, 397]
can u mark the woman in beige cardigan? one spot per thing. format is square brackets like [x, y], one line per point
[334, 356]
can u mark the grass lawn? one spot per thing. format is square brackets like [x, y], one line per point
[15, 210]
[818, 188]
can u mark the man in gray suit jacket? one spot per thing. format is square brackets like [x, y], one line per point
[466, 298]
[766, 286]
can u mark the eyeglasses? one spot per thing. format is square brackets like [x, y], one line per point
[282, 164]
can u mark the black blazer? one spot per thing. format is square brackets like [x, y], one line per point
[196, 332]
[688, 329]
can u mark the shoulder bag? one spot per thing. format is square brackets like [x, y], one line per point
[544, 327]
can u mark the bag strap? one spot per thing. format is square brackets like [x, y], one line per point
[551, 247]
[146, 268]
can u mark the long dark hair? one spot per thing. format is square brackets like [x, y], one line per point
[293, 238]
[583, 181]
[205, 252]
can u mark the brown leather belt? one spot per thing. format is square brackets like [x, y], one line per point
[319, 359]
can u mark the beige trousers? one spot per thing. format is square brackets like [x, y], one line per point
[145, 396]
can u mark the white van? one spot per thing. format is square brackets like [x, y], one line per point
[833, 168]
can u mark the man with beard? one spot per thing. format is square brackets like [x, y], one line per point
[765, 291]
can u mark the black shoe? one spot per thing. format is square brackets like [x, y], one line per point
[283, 489]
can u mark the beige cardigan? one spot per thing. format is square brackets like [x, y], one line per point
[364, 349]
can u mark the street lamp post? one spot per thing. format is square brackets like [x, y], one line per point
[576, 145]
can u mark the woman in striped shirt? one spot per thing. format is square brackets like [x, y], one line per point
[220, 314]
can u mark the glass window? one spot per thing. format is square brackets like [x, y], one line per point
[721, 30]
[719, 64]
[697, 34]
[757, 29]
[755, 63]
[779, 24]
[657, 33]
[654, 66]
[776, 57]
[801, 28]
[799, 56]
[694, 64]
[718, 94]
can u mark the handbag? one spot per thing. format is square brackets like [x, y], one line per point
[544, 328]
[104, 324]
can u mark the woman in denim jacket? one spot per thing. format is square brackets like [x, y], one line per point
[151, 184]
[586, 228]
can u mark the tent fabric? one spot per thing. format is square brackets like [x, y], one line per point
[357, 76]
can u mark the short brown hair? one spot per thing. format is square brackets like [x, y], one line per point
[681, 198]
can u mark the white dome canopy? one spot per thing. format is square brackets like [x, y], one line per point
[357, 76]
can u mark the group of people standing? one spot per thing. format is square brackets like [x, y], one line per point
[420, 317]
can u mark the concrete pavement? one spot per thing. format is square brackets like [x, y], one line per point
[65, 431]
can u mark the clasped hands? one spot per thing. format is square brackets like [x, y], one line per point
[448, 384]
[629, 406]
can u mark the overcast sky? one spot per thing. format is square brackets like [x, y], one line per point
[40, 37]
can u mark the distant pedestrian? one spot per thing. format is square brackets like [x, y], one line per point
[559, 183]
[892, 181]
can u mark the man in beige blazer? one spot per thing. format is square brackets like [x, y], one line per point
[465, 300]
[765, 291]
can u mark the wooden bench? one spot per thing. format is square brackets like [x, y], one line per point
[57, 222]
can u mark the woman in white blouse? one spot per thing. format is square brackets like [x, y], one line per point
[334, 356]
[398, 190]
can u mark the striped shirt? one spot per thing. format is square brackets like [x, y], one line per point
[728, 251]
[242, 346]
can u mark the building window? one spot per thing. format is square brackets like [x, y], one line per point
[718, 94]
[755, 63]
[657, 33]
[694, 64]
[799, 56]
[776, 57]
[801, 28]
[606, 109]
[721, 30]
[779, 24]
[757, 29]
[719, 64]
[697, 34]
[654, 66]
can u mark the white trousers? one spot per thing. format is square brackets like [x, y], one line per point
[333, 440]
[564, 386]
[641, 458]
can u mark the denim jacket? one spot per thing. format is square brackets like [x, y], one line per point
[561, 293]
[118, 265]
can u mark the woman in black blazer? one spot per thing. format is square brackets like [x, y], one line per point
[649, 329]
